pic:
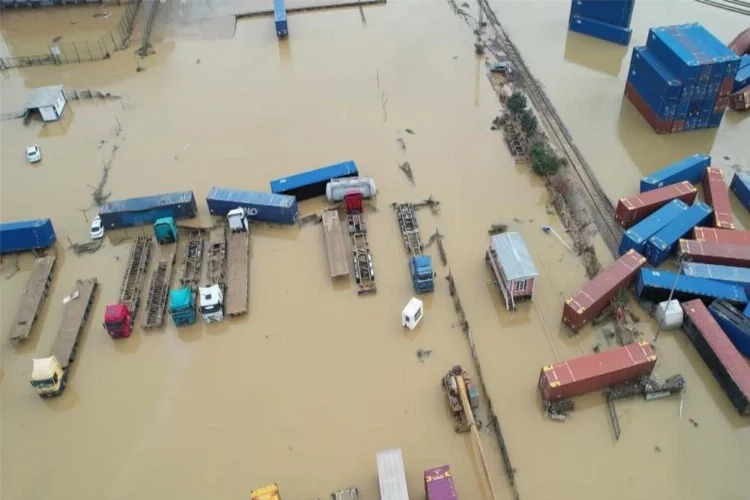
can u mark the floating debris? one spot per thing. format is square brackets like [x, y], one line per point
[558, 410]
[497, 229]
[410, 131]
[401, 143]
[437, 237]
[57, 39]
[405, 167]
[430, 202]
[310, 219]
[695, 424]
[423, 354]
[88, 247]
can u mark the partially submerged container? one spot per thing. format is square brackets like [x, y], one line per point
[260, 206]
[597, 371]
[337, 188]
[636, 237]
[727, 365]
[740, 186]
[438, 483]
[589, 301]
[740, 100]
[147, 209]
[662, 244]
[728, 274]
[691, 169]
[312, 183]
[632, 209]
[601, 30]
[391, 475]
[279, 18]
[721, 235]
[655, 286]
[734, 323]
[615, 12]
[715, 253]
[659, 125]
[658, 87]
[25, 235]
[669, 315]
[717, 196]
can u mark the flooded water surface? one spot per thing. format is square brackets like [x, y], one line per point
[306, 388]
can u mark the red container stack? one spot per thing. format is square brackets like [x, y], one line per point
[635, 208]
[717, 195]
[438, 483]
[740, 100]
[589, 301]
[716, 253]
[721, 235]
[596, 371]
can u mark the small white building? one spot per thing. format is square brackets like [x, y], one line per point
[514, 270]
[48, 101]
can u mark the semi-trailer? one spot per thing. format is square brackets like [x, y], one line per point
[656, 286]
[148, 209]
[338, 260]
[26, 235]
[715, 253]
[734, 323]
[691, 169]
[633, 209]
[391, 475]
[597, 371]
[167, 234]
[727, 365]
[260, 206]
[420, 265]
[212, 296]
[636, 237]
[49, 376]
[32, 299]
[119, 318]
[662, 244]
[238, 268]
[182, 300]
[717, 197]
[312, 183]
[364, 270]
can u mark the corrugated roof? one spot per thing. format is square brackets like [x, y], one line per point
[514, 256]
[44, 96]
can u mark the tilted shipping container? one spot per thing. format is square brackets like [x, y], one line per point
[312, 183]
[636, 237]
[267, 207]
[728, 274]
[666, 85]
[740, 100]
[717, 196]
[664, 110]
[616, 12]
[589, 301]
[22, 236]
[664, 43]
[691, 169]
[740, 186]
[438, 483]
[655, 286]
[632, 209]
[721, 235]
[279, 18]
[662, 244]
[742, 79]
[598, 29]
[715, 253]
[270, 492]
[147, 209]
[734, 323]
[660, 126]
[728, 367]
[596, 371]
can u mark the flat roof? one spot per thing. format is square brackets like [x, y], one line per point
[44, 96]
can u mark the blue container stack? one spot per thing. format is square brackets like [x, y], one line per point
[604, 19]
[742, 79]
[684, 75]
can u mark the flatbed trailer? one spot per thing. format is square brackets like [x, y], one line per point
[75, 314]
[192, 258]
[32, 299]
[364, 271]
[138, 260]
[407, 223]
[217, 254]
[335, 247]
[237, 274]
[158, 290]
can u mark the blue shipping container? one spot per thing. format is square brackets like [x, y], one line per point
[707, 106]
[25, 235]
[616, 12]
[682, 109]
[746, 312]
[742, 79]
[665, 46]
[691, 169]
[598, 29]
[662, 244]
[636, 237]
[664, 83]
[655, 285]
[260, 206]
[728, 274]
[699, 41]
[740, 186]
[664, 110]
[724, 58]
[312, 183]
[279, 16]
[147, 209]
[734, 323]
[715, 120]
[688, 91]
[745, 61]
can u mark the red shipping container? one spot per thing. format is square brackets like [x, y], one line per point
[677, 126]
[713, 235]
[639, 206]
[715, 253]
[726, 86]
[716, 193]
[659, 126]
[597, 371]
[723, 359]
[740, 100]
[438, 483]
[721, 104]
[589, 301]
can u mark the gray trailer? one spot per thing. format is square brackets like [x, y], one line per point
[391, 475]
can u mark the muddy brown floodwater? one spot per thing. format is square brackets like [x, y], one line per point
[306, 388]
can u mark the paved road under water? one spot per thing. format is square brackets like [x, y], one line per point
[305, 389]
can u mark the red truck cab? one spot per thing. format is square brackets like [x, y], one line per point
[118, 321]
[353, 202]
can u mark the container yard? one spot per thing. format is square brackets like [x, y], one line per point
[424, 98]
[36, 291]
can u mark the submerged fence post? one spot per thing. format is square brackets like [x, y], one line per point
[91, 58]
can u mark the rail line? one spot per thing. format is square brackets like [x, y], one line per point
[604, 210]
[731, 8]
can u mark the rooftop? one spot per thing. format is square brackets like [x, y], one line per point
[44, 96]
[513, 255]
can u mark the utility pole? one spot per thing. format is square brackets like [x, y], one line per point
[681, 261]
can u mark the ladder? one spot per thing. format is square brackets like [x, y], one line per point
[364, 271]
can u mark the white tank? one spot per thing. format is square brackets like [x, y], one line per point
[669, 315]
[337, 188]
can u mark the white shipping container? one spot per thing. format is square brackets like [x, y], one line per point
[391, 475]
[337, 188]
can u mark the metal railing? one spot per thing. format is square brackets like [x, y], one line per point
[81, 51]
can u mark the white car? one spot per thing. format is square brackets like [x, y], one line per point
[97, 230]
[33, 154]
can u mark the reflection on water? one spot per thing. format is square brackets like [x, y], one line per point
[595, 54]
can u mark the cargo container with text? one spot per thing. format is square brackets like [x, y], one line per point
[656, 286]
[26, 235]
[740, 186]
[661, 245]
[635, 208]
[260, 206]
[438, 483]
[715, 253]
[690, 169]
[636, 237]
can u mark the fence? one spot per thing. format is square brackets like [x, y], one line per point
[81, 51]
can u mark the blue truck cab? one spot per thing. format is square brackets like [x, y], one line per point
[165, 230]
[421, 273]
[279, 16]
[182, 306]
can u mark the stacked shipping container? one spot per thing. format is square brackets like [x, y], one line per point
[740, 186]
[682, 78]
[604, 19]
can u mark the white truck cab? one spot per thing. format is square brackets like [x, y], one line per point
[212, 303]
[47, 376]
[237, 220]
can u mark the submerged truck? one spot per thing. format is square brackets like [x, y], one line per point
[120, 316]
[49, 376]
[182, 306]
[26, 235]
[212, 296]
[420, 265]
